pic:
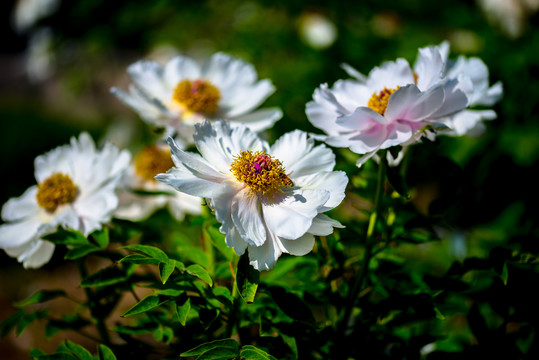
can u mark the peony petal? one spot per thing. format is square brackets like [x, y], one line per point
[265, 256]
[149, 76]
[259, 120]
[180, 68]
[299, 247]
[247, 99]
[37, 255]
[291, 216]
[22, 207]
[299, 157]
[323, 225]
[333, 181]
[18, 233]
[410, 104]
[247, 217]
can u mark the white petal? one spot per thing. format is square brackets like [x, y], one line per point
[429, 67]
[299, 247]
[299, 155]
[246, 99]
[333, 181]
[247, 217]
[96, 208]
[22, 207]
[37, 255]
[323, 225]
[265, 256]
[409, 103]
[19, 233]
[181, 203]
[180, 68]
[259, 120]
[182, 179]
[390, 74]
[291, 216]
[455, 99]
[148, 76]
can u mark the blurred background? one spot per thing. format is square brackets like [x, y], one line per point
[59, 59]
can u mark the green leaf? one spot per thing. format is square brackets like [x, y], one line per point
[101, 238]
[105, 353]
[247, 279]
[39, 297]
[505, 274]
[183, 306]
[80, 251]
[139, 259]
[219, 354]
[78, 351]
[199, 272]
[148, 303]
[105, 277]
[292, 305]
[67, 237]
[35, 352]
[218, 240]
[166, 269]
[57, 356]
[249, 352]
[7, 325]
[29, 318]
[203, 348]
[150, 251]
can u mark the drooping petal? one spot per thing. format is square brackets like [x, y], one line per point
[37, 255]
[299, 247]
[323, 225]
[291, 216]
[247, 217]
[265, 256]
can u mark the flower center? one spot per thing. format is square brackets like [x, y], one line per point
[56, 190]
[198, 96]
[152, 161]
[260, 172]
[378, 101]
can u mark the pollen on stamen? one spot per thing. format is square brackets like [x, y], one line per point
[199, 96]
[58, 189]
[263, 174]
[151, 161]
[378, 101]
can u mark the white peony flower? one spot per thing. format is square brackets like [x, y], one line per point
[134, 206]
[184, 93]
[269, 200]
[473, 72]
[75, 190]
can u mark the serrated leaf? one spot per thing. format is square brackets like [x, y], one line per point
[139, 259]
[78, 351]
[101, 238]
[247, 279]
[104, 277]
[148, 250]
[183, 306]
[39, 297]
[105, 353]
[148, 303]
[201, 349]
[166, 269]
[249, 352]
[199, 272]
[80, 251]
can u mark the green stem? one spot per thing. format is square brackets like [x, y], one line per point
[236, 302]
[359, 280]
[100, 323]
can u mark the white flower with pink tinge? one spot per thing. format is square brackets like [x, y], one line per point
[269, 200]
[75, 190]
[391, 106]
[182, 93]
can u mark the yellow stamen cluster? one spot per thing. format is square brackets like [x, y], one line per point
[378, 102]
[198, 96]
[263, 175]
[152, 161]
[58, 189]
